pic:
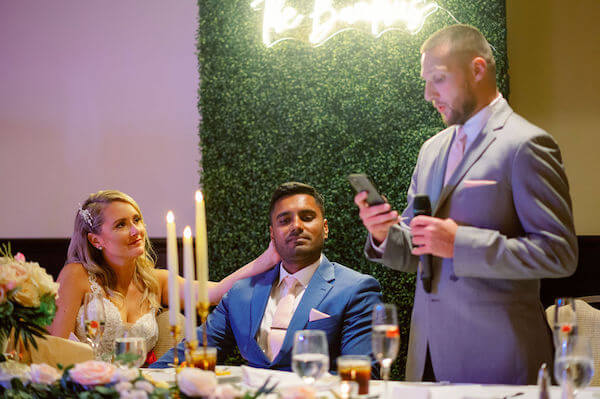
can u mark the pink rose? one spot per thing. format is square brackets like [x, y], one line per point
[44, 374]
[92, 372]
[225, 392]
[20, 257]
[299, 392]
[196, 382]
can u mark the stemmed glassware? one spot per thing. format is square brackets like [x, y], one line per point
[130, 351]
[565, 319]
[310, 355]
[573, 364]
[94, 319]
[385, 338]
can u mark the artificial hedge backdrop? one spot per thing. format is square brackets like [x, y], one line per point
[295, 112]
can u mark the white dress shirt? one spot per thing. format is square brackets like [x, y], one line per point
[303, 276]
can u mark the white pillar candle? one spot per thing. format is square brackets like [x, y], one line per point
[201, 249]
[173, 267]
[189, 292]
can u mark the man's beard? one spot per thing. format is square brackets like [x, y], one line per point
[461, 113]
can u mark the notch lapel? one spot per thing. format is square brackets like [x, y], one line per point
[260, 296]
[485, 138]
[317, 289]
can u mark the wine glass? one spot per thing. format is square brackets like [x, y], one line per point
[565, 319]
[573, 363]
[385, 338]
[310, 355]
[94, 319]
[130, 351]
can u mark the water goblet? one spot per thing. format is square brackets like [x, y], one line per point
[565, 319]
[310, 355]
[573, 363]
[130, 351]
[385, 338]
[94, 319]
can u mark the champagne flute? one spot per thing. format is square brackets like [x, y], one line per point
[310, 355]
[130, 351]
[565, 319]
[385, 338]
[94, 319]
[573, 363]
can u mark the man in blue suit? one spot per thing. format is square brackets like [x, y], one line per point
[260, 314]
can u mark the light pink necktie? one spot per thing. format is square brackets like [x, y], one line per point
[456, 153]
[283, 314]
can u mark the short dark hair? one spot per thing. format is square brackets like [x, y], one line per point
[464, 41]
[294, 188]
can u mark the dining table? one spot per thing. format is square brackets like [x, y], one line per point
[249, 378]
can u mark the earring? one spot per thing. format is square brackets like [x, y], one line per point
[99, 247]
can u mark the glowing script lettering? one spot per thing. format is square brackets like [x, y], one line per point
[325, 21]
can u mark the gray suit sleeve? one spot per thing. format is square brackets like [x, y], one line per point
[548, 245]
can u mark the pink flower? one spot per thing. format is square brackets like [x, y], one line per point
[92, 372]
[196, 382]
[299, 392]
[44, 374]
[225, 392]
[20, 257]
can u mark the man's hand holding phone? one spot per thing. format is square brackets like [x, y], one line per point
[377, 218]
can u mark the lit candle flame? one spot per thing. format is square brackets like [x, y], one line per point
[170, 217]
[187, 232]
[199, 196]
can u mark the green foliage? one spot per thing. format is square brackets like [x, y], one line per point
[293, 112]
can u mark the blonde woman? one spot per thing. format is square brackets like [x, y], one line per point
[110, 253]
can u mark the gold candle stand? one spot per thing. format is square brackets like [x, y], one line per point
[203, 308]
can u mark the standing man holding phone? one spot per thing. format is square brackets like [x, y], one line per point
[501, 220]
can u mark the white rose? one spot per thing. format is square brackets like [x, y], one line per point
[123, 386]
[125, 374]
[144, 386]
[196, 382]
[225, 392]
[92, 372]
[44, 374]
[12, 274]
[134, 394]
[28, 295]
[43, 280]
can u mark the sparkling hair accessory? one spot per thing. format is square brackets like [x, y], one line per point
[85, 214]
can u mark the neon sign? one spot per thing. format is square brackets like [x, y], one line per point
[326, 21]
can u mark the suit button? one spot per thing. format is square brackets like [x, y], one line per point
[453, 277]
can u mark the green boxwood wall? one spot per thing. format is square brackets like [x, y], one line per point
[294, 112]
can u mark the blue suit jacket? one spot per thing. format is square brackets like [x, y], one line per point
[344, 294]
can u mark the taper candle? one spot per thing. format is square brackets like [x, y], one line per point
[201, 249]
[173, 267]
[189, 292]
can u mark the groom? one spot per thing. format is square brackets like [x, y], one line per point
[260, 314]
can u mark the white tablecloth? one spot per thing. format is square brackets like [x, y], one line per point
[396, 389]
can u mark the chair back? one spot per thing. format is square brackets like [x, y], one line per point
[165, 340]
[588, 325]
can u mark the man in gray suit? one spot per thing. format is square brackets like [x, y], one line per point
[501, 221]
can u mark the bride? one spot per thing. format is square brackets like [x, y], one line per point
[110, 254]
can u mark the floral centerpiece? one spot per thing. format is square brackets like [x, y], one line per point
[27, 298]
[97, 379]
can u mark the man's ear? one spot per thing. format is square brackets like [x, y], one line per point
[271, 233]
[478, 68]
[325, 229]
[94, 240]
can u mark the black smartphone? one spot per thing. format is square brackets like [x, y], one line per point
[361, 183]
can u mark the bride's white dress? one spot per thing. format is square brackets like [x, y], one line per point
[114, 327]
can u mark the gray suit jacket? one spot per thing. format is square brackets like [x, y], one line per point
[483, 321]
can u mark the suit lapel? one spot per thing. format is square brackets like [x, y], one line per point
[438, 170]
[260, 296]
[317, 289]
[485, 138]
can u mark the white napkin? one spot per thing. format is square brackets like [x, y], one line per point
[255, 378]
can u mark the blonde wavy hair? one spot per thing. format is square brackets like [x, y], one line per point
[82, 251]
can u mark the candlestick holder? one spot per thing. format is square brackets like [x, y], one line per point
[190, 347]
[175, 332]
[203, 308]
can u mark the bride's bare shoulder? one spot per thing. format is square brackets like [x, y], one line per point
[73, 273]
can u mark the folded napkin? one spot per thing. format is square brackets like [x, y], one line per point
[55, 350]
[255, 378]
